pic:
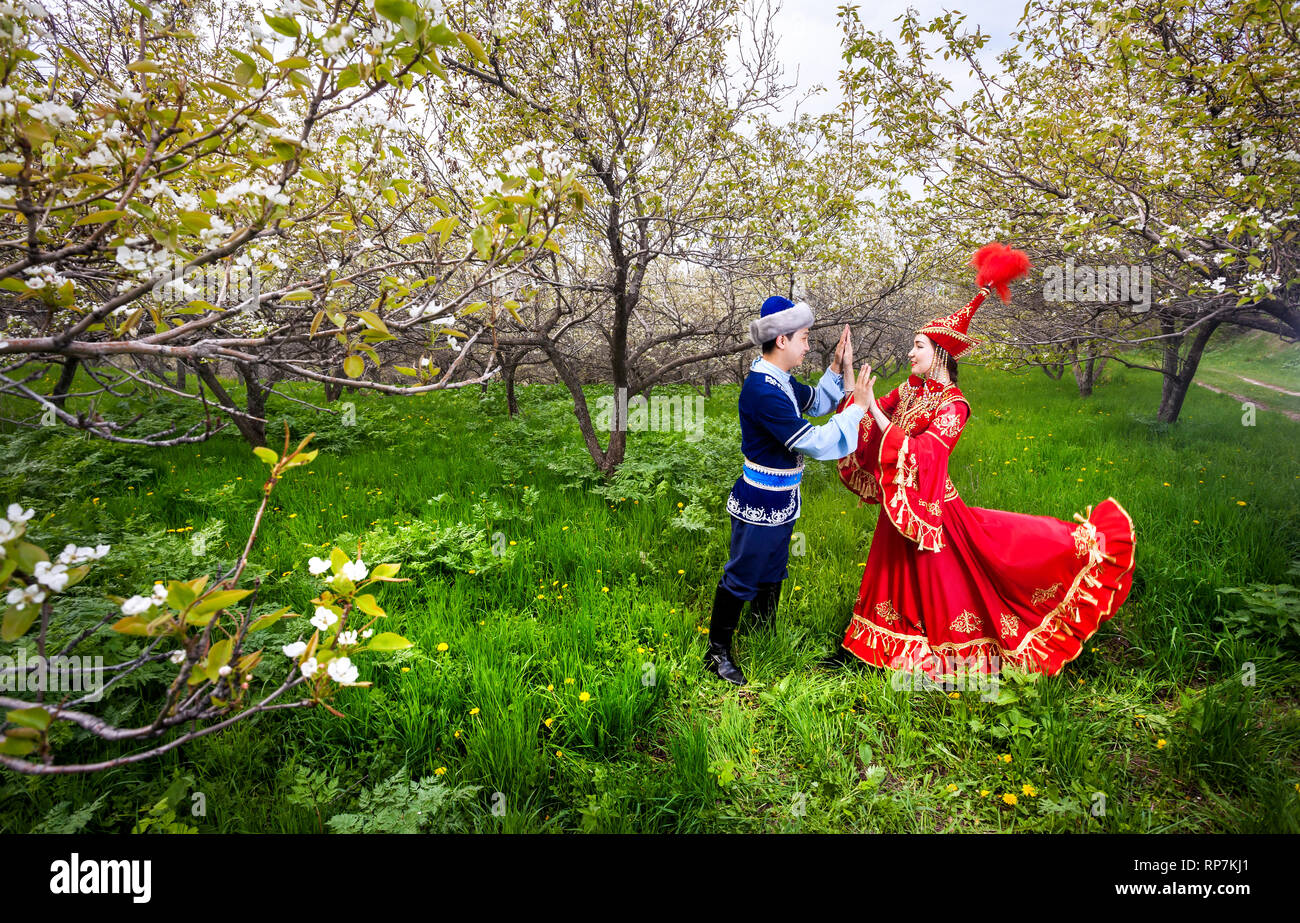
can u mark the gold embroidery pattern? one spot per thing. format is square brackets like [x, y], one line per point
[965, 623]
[1043, 594]
[886, 612]
[947, 424]
[1010, 624]
[949, 488]
[1081, 537]
[935, 509]
[1029, 653]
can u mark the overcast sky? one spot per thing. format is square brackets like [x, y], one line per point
[810, 38]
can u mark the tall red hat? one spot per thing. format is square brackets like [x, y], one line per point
[995, 265]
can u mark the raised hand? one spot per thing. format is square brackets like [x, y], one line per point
[863, 392]
[837, 360]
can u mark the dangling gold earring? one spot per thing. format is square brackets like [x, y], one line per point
[940, 362]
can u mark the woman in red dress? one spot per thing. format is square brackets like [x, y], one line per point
[950, 588]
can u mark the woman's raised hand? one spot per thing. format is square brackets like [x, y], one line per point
[863, 393]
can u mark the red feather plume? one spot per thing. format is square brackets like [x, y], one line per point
[997, 264]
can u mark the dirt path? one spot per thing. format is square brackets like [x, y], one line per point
[1289, 414]
[1264, 384]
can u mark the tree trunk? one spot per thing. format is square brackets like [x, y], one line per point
[180, 375]
[708, 386]
[64, 384]
[1179, 371]
[333, 389]
[512, 401]
[1083, 375]
[253, 431]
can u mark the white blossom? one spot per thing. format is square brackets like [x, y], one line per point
[318, 566]
[347, 638]
[309, 667]
[137, 604]
[54, 576]
[324, 618]
[177, 656]
[355, 570]
[295, 649]
[22, 597]
[17, 515]
[342, 670]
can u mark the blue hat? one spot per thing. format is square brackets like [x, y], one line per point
[779, 317]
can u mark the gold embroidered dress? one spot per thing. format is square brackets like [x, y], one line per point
[949, 587]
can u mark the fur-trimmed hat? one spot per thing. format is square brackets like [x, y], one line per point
[779, 317]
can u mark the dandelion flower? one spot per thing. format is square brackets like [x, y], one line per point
[1028, 790]
[584, 696]
[442, 645]
[1009, 798]
[1160, 744]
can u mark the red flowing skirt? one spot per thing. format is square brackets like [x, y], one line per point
[1007, 588]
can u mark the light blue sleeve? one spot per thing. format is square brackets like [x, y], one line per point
[835, 438]
[829, 391]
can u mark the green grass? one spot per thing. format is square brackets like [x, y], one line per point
[817, 742]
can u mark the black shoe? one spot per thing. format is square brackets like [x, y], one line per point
[718, 662]
[726, 615]
[763, 608]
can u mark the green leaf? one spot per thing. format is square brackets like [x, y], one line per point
[409, 239]
[219, 600]
[349, 77]
[395, 10]
[444, 227]
[218, 657]
[267, 455]
[36, 718]
[131, 625]
[28, 555]
[373, 321]
[298, 294]
[99, 217]
[353, 366]
[16, 622]
[367, 603]
[385, 571]
[12, 746]
[388, 641]
[267, 620]
[285, 25]
[473, 45]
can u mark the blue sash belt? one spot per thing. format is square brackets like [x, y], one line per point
[772, 478]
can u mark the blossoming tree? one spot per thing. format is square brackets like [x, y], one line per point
[214, 188]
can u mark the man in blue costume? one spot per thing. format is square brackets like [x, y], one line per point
[764, 503]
